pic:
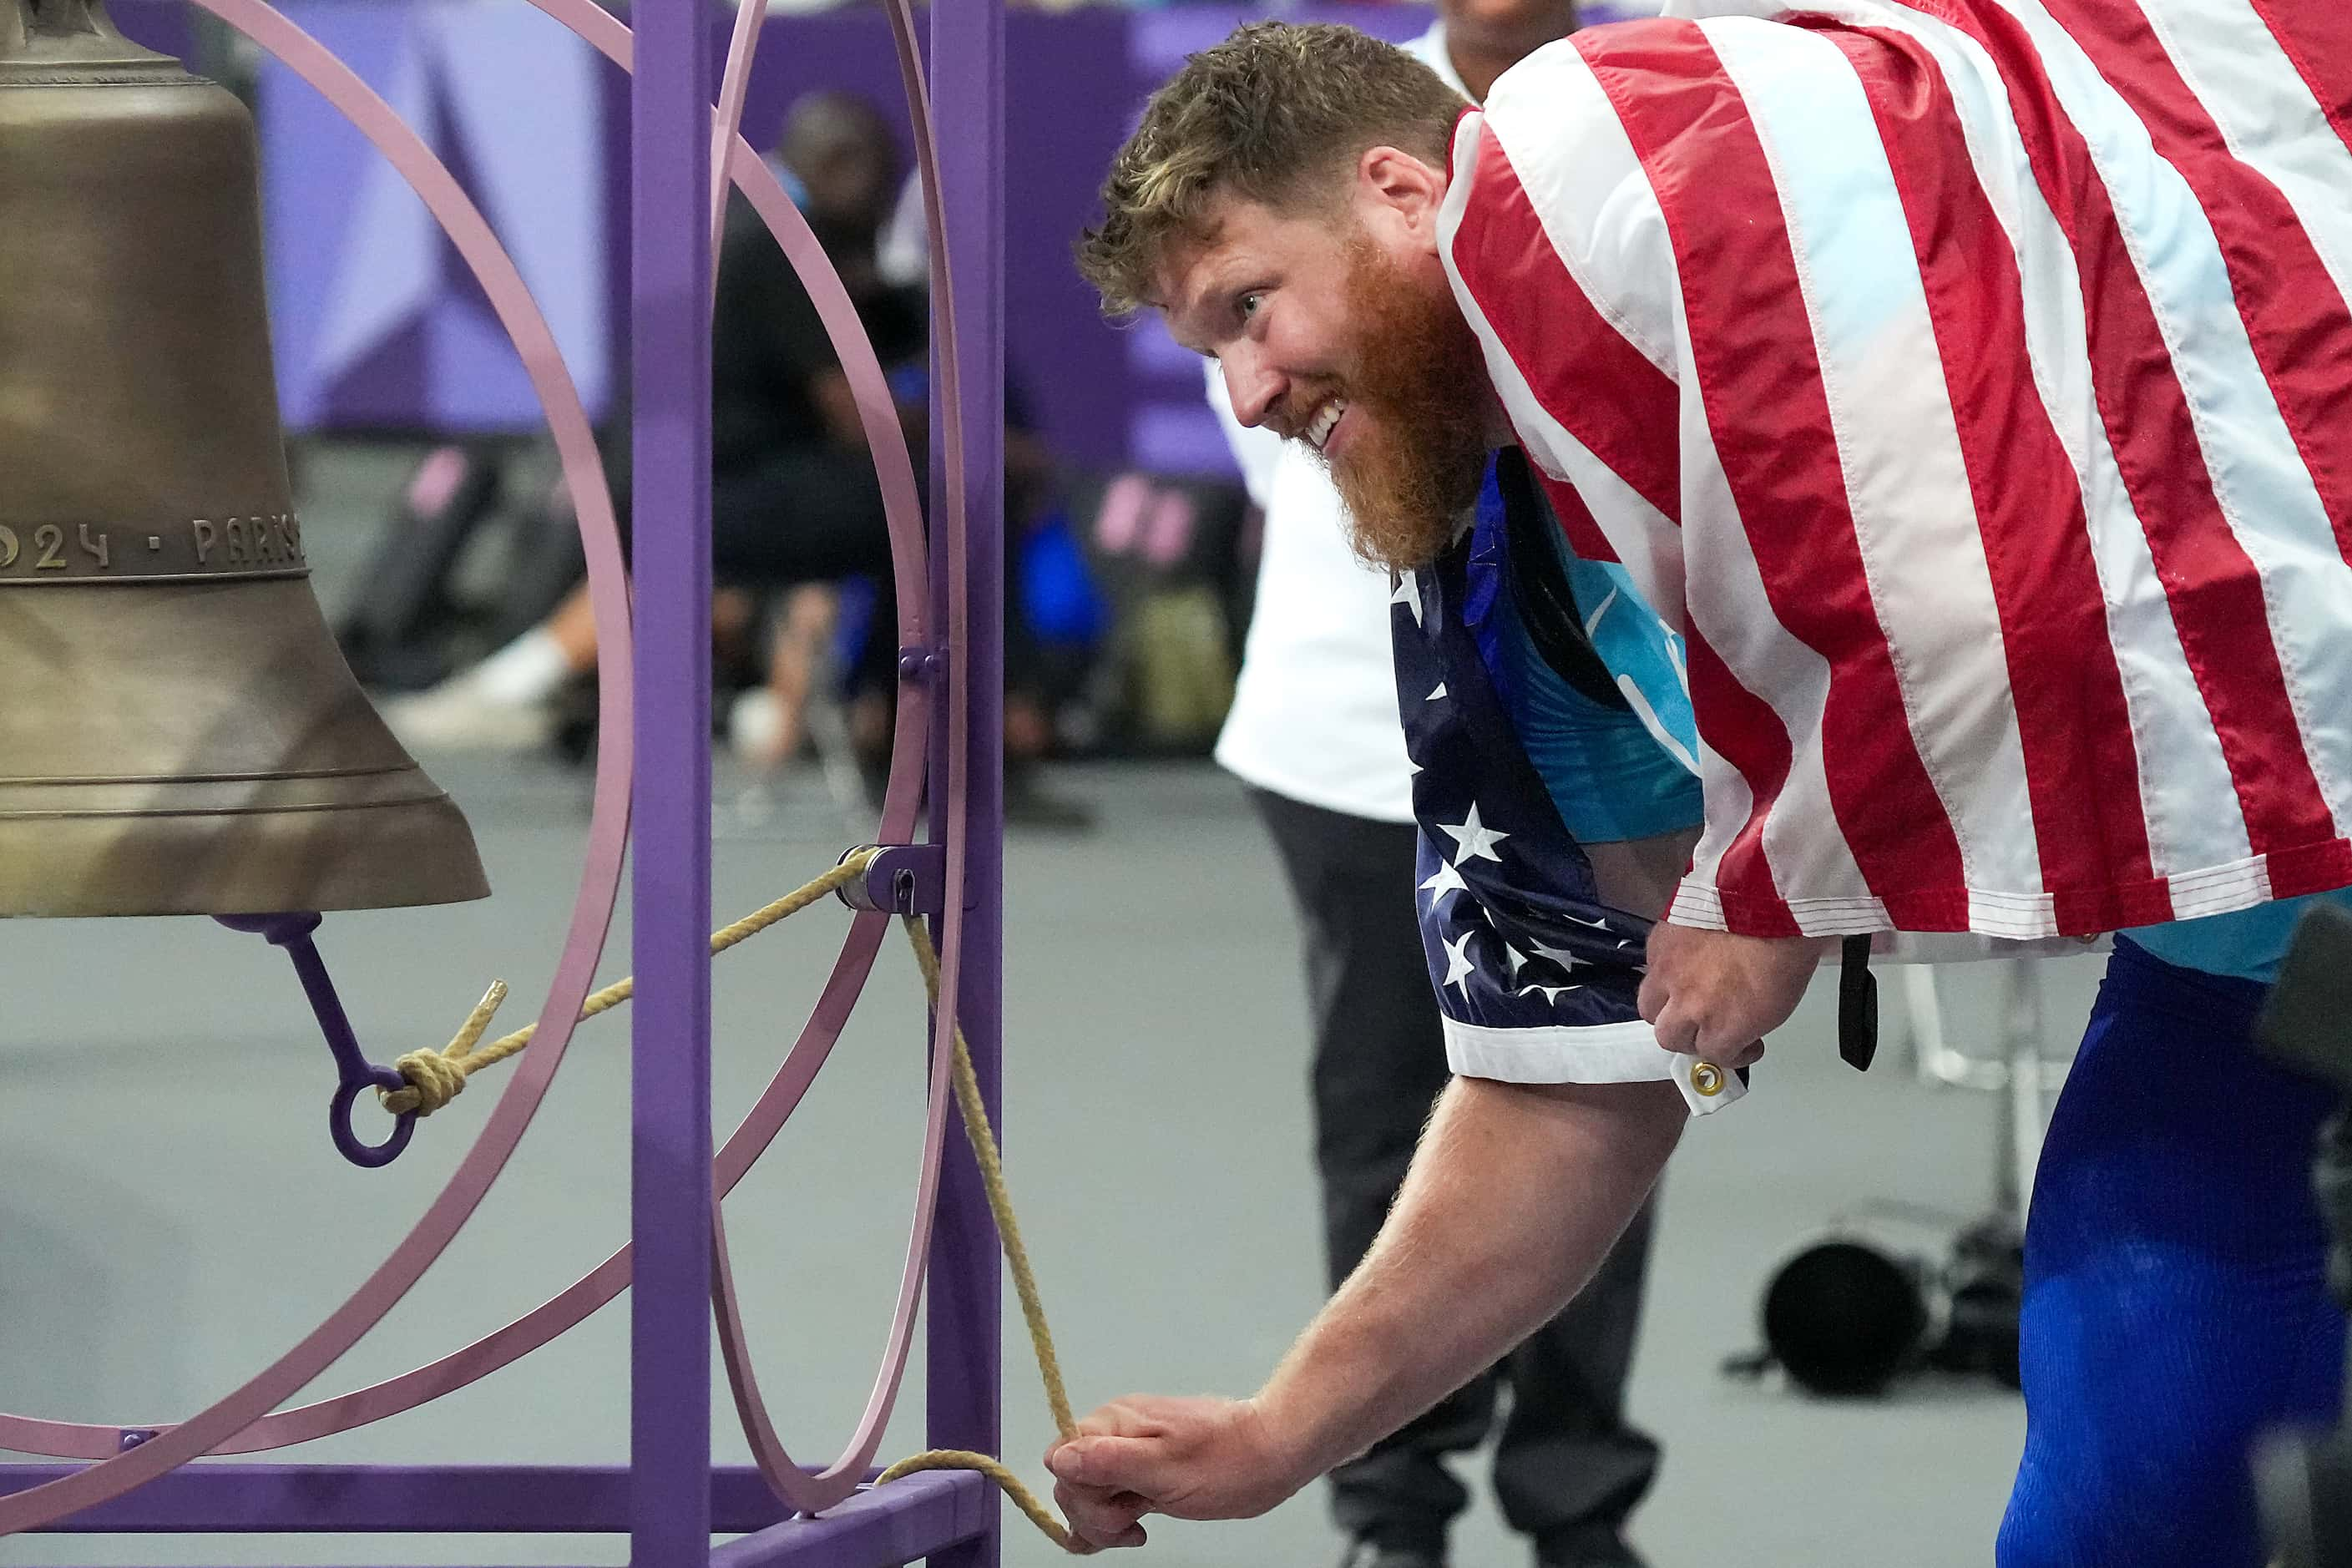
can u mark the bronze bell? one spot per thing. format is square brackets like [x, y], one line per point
[178, 732]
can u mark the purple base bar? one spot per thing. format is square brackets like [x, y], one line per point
[917, 1517]
[924, 1515]
[260, 1499]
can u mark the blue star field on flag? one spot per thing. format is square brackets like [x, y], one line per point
[1514, 931]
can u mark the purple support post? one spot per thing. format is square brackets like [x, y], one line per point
[965, 1371]
[670, 1191]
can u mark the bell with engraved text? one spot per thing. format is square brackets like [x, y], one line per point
[178, 732]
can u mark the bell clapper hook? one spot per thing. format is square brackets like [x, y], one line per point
[356, 1072]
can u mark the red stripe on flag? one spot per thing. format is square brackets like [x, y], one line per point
[1576, 521]
[1752, 344]
[2295, 315]
[2316, 35]
[1580, 368]
[2215, 594]
[2322, 868]
[2082, 771]
[1741, 727]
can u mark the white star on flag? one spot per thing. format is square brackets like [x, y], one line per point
[1477, 840]
[1550, 993]
[1458, 967]
[1445, 881]
[1436, 694]
[1519, 961]
[1561, 956]
[1580, 920]
[1408, 593]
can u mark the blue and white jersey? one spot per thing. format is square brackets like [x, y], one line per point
[1536, 977]
[1615, 769]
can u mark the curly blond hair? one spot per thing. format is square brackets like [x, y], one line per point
[1273, 115]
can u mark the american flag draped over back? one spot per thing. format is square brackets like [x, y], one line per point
[1970, 382]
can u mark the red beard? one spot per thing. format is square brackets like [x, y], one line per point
[1417, 394]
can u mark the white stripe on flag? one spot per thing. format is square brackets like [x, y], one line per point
[1644, 539]
[2267, 115]
[2187, 801]
[1779, 670]
[1728, 804]
[1907, 480]
[1587, 188]
[2259, 479]
[1728, 608]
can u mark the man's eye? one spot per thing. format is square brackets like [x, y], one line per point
[1247, 305]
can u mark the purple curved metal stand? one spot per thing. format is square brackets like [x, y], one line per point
[669, 1498]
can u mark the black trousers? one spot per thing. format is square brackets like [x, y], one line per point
[1568, 1468]
[809, 513]
[812, 513]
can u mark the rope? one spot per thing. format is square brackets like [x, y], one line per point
[436, 1078]
[1024, 1283]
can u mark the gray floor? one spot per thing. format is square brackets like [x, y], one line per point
[174, 1217]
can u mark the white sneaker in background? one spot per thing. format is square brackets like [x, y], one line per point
[460, 716]
[755, 725]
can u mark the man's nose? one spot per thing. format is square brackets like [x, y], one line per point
[1255, 387]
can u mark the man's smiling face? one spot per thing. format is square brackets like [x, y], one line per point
[1335, 327]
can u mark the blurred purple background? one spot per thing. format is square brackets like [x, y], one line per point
[379, 329]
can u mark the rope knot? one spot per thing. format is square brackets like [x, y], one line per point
[433, 1081]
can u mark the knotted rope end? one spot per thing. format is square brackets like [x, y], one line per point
[433, 1081]
[436, 1078]
[479, 1020]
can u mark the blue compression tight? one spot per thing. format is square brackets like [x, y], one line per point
[2176, 1306]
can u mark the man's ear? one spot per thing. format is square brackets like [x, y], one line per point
[1399, 194]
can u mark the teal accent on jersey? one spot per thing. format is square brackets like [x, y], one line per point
[1605, 768]
[1640, 651]
[2246, 944]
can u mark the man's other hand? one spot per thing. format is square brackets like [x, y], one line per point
[1716, 994]
[1188, 1458]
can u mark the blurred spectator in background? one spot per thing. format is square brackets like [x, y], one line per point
[793, 496]
[1314, 731]
[794, 501]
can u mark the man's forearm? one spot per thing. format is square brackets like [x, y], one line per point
[1515, 1199]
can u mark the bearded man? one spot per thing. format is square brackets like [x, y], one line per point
[1965, 386]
